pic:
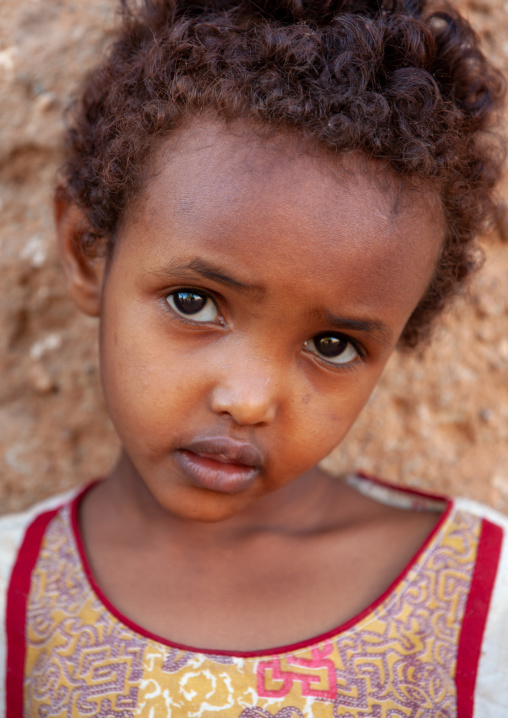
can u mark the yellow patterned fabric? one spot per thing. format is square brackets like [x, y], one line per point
[396, 661]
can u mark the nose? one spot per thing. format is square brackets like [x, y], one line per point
[248, 392]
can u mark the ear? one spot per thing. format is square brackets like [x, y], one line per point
[84, 274]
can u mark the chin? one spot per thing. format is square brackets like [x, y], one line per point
[206, 506]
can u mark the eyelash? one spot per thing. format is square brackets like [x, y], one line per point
[359, 349]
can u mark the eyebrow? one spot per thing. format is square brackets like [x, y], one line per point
[378, 330]
[211, 271]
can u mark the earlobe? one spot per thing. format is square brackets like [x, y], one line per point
[84, 274]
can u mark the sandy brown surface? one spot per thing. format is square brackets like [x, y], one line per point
[439, 421]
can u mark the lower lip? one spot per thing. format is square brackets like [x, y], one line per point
[213, 475]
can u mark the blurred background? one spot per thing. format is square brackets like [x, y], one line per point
[438, 420]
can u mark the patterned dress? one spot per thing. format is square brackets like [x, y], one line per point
[434, 645]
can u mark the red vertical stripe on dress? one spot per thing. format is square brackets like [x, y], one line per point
[475, 616]
[15, 616]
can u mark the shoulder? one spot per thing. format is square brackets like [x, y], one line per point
[15, 532]
[13, 528]
[484, 512]
[491, 579]
[482, 666]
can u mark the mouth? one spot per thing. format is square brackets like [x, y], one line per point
[220, 464]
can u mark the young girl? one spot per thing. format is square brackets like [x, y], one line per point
[261, 200]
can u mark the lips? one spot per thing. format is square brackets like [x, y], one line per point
[220, 463]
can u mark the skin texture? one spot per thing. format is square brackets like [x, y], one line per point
[293, 550]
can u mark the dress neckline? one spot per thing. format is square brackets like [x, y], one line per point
[382, 491]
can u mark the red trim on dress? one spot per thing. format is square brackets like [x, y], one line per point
[271, 651]
[15, 616]
[402, 489]
[475, 616]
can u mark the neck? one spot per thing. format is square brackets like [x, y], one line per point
[302, 506]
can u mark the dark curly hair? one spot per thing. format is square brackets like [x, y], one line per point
[401, 81]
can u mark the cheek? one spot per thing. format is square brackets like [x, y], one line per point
[325, 418]
[145, 385]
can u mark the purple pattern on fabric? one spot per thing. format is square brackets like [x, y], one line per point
[175, 660]
[287, 712]
[419, 689]
[223, 660]
[96, 661]
[95, 669]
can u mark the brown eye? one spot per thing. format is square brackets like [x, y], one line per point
[193, 305]
[330, 346]
[334, 348]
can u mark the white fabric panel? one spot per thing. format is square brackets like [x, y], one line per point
[12, 532]
[391, 496]
[491, 695]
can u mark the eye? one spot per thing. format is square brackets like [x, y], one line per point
[334, 348]
[193, 305]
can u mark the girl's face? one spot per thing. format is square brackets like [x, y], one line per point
[254, 297]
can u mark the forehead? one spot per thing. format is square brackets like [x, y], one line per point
[235, 192]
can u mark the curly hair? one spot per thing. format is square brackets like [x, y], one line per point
[401, 81]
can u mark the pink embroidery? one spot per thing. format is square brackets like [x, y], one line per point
[311, 678]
